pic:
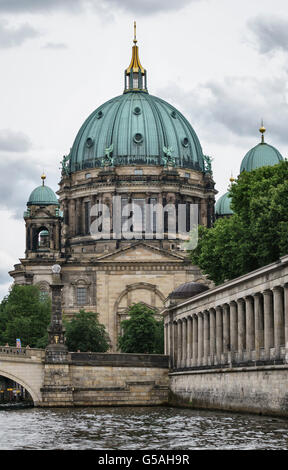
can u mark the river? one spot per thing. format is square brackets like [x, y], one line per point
[138, 428]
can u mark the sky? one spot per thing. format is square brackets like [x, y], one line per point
[222, 63]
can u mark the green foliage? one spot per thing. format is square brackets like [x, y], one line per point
[24, 315]
[86, 333]
[256, 234]
[142, 333]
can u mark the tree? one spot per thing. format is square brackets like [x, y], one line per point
[25, 315]
[142, 333]
[86, 333]
[256, 234]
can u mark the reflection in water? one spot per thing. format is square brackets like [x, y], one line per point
[138, 428]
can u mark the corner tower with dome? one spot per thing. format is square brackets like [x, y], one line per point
[143, 150]
[262, 154]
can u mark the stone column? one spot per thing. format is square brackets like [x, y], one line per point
[72, 214]
[278, 319]
[241, 327]
[200, 339]
[175, 345]
[195, 340]
[179, 341]
[268, 322]
[212, 321]
[189, 341]
[166, 335]
[250, 333]
[219, 334]
[206, 337]
[258, 316]
[184, 342]
[233, 328]
[286, 315]
[226, 329]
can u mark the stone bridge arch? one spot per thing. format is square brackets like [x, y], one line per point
[27, 369]
[35, 395]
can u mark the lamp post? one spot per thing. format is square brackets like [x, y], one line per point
[56, 350]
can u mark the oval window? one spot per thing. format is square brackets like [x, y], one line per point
[137, 110]
[185, 142]
[138, 138]
[89, 142]
[99, 114]
[174, 114]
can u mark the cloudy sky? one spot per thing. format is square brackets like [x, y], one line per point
[222, 63]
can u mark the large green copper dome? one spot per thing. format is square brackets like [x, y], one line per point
[261, 155]
[138, 129]
[222, 206]
[135, 129]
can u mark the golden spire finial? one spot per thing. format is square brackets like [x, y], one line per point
[262, 130]
[231, 179]
[43, 177]
[135, 40]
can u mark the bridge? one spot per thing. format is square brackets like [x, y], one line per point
[26, 367]
[88, 379]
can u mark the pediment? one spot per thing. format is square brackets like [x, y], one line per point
[141, 252]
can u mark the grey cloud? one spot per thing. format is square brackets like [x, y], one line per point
[271, 33]
[55, 45]
[149, 6]
[38, 6]
[234, 107]
[135, 6]
[12, 141]
[18, 177]
[15, 36]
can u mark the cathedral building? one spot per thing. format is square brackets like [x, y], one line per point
[133, 153]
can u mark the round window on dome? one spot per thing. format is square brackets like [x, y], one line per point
[99, 114]
[138, 138]
[174, 114]
[137, 110]
[89, 142]
[185, 142]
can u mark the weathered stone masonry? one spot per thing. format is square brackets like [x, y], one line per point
[228, 347]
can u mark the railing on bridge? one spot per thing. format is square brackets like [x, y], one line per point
[26, 352]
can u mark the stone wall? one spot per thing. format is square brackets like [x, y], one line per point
[106, 379]
[262, 390]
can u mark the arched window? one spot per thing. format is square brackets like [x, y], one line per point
[43, 239]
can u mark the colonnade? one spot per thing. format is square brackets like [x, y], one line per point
[250, 328]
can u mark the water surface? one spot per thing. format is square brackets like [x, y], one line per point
[138, 428]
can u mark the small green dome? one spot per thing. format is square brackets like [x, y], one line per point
[43, 196]
[261, 155]
[223, 205]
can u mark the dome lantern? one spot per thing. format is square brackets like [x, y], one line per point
[135, 74]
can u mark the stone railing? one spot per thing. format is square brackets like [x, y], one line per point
[241, 322]
[26, 352]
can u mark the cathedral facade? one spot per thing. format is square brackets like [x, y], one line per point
[133, 155]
